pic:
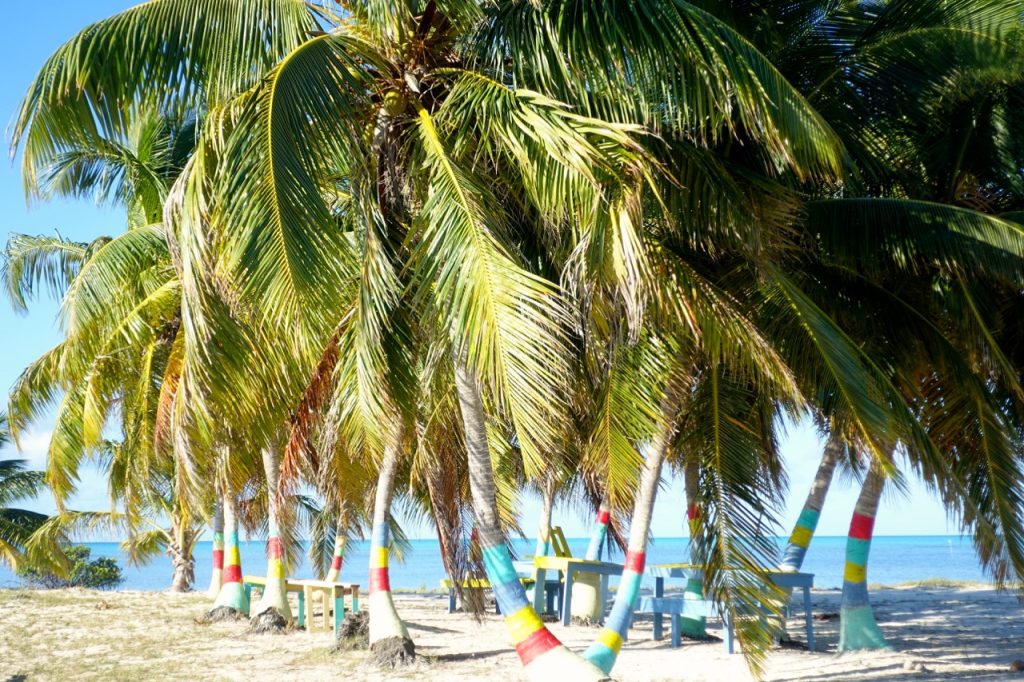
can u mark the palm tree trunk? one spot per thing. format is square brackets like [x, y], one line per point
[544, 531]
[807, 523]
[605, 650]
[857, 627]
[275, 593]
[232, 592]
[217, 574]
[336, 557]
[180, 551]
[389, 638]
[693, 627]
[586, 590]
[543, 656]
[599, 533]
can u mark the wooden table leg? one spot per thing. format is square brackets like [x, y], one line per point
[567, 598]
[539, 577]
[339, 608]
[325, 614]
[355, 599]
[603, 596]
[659, 591]
[809, 619]
[302, 609]
[727, 626]
[307, 592]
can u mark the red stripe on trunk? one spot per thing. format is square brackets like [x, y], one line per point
[379, 580]
[274, 548]
[540, 642]
[862, 526]
[218, 558]
[635, 561]
[336, 563]
[602, 517]
[232, 574]
[693, 512]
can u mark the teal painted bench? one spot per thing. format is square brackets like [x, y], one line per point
[677, 607]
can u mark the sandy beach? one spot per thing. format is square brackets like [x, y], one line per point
[938, 633]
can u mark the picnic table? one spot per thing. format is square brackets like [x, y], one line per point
[568, 567]
[785, 579]
[552, 589]
[330, 591]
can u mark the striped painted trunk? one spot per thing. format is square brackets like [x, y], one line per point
[216, 576]
[232, 592]
[807, 523]
[693, 627]
[336, 557]
[857, 627]
[275, 594]
[600, 532]
[586, 590]
[605, 650]
[387, 630]
[544, 657]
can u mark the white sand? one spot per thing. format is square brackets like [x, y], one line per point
[85, 635]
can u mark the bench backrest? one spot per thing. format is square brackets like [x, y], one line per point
[558, 544]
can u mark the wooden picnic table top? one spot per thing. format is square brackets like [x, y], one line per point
[568, 563]
[298, 584]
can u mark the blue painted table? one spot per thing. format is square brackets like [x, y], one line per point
[785, 579]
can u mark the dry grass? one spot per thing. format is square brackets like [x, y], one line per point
[70, 635]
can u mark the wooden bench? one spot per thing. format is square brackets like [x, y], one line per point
[332, 594]
[677, 608]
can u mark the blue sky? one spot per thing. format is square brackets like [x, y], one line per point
[31, 37]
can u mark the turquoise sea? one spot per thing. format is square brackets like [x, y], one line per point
[894, 559]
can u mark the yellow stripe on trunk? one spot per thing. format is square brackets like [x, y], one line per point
[523, 623]
[855, 573]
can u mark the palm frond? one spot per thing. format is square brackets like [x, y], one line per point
[31, 263]
[505, 322]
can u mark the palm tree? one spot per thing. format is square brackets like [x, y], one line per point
[217, 526]
[420, 153]
[231, 599]
[16, 525]
[859, 630]
[807, 522]
[944, 138]
[120, 319]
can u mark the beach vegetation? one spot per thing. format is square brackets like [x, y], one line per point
[17, 525]
[102, 573]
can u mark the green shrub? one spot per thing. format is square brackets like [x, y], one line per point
[99, 574]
